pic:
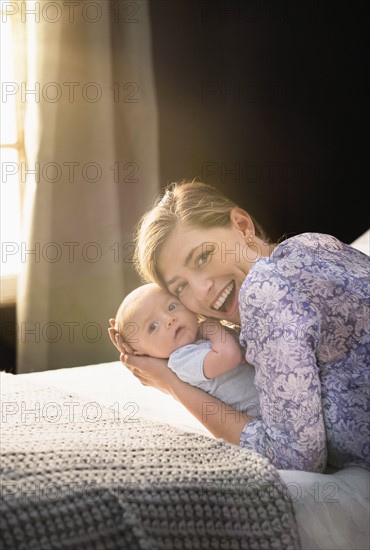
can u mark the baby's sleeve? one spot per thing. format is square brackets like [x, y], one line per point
[187, 362]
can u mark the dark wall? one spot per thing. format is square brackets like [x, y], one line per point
[267, 100]
[7, 337]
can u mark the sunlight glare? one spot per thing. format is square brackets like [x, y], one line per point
[10, 217]
[8, 132]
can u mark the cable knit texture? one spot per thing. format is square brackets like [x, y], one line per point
[76, 475]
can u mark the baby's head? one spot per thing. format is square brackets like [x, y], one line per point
[154, 322]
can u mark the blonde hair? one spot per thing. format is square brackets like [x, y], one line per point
[194, 203]
[128, 308]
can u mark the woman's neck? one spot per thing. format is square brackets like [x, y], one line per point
[260, 249]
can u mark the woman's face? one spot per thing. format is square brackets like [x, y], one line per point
[205, 268]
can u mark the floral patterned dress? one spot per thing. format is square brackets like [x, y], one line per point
[305, 317]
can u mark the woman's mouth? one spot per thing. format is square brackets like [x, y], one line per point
[226, 299]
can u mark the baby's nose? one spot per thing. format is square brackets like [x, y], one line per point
[170, 320]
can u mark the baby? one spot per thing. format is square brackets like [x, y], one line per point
[204, 354]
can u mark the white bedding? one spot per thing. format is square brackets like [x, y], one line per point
[332, 510]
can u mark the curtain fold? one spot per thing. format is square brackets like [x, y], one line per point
[95, 163]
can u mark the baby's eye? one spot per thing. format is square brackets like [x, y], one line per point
[153, 326]
[172, 306]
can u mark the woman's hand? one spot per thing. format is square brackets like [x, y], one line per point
[219, 419]
[117, 340]
[149, 370]
[206, 408]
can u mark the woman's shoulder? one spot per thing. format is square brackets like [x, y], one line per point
[320, 246]
[312, 253]
[309, 242]
[297, 252]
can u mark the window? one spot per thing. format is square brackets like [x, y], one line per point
[12, 150]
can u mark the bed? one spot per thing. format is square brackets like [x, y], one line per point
[299, 509]
[331, 510]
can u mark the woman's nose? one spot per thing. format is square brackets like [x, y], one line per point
[201, 287]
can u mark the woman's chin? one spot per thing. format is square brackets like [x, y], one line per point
[232, 311]
[232, 314]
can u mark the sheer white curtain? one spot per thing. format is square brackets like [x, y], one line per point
[95, 158]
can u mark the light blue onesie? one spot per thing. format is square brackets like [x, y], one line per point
[235, 387]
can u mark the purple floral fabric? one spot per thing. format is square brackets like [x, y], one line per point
[305, 316]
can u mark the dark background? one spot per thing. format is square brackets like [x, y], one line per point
[267, 100]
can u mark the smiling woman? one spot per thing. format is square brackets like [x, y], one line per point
[302, 306]
[197, 225]
[211, 264]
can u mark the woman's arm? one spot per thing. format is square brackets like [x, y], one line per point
[218, 418]
[281, 334]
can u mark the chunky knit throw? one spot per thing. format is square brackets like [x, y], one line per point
[76, 475]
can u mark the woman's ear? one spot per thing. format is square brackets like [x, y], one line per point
[242, 221]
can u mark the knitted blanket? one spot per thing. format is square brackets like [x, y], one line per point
[76, 475]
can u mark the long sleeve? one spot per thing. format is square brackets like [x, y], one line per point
[280, 333]
[305, 315]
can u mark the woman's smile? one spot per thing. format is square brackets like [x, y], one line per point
[196, 269]
[225, 297]
[228, 302]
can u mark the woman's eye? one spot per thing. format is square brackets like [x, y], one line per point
[203, 258]
[179, 288]
[172, 306]
[153, 326]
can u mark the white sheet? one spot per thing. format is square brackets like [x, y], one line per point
[362, 243]
[332, 510]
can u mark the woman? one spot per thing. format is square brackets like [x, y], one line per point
[303, 309]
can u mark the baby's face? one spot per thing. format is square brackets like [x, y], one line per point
[161, 324]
